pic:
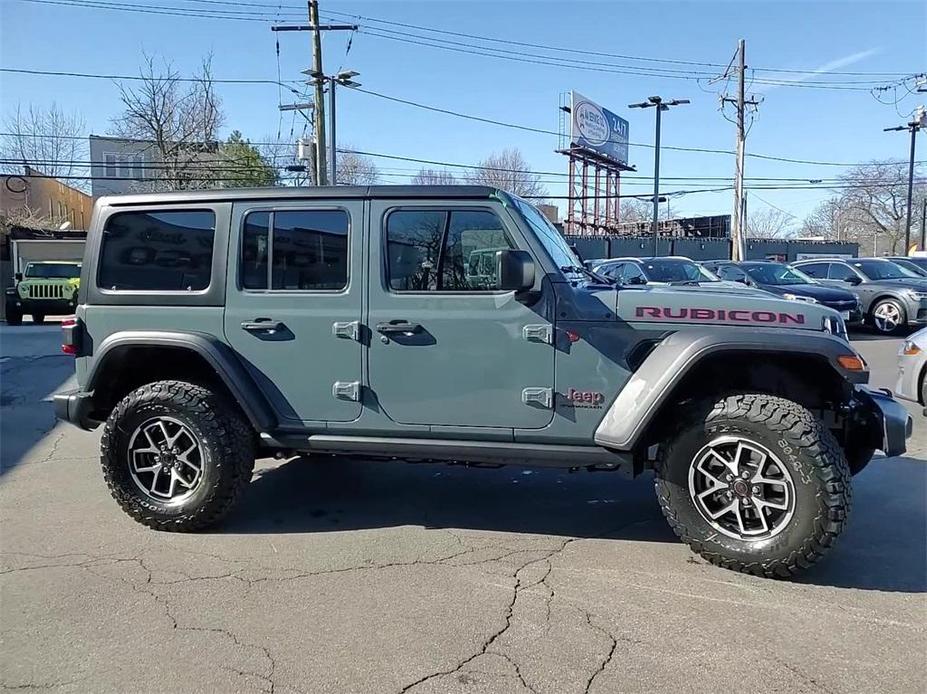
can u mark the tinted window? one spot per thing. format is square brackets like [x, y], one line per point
[434, 250]
[157, 251]
[254, 251]
[776, 274]
[308, 250]
[630, 271]
[672, 271]
[840, 272]
[729, 272]
[818, 270]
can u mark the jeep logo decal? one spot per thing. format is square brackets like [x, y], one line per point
[710, 314]
[584, 398]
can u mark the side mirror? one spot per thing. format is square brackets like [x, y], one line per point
[742, 280]
[515, 270]
[637, 280]
[853, 280]
[18, 277]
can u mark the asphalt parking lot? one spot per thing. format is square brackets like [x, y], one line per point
[370, 577]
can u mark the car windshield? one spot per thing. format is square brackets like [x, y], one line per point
[911, 266]
[673, 270]
[560, 252]
[53, 270]
[776, 274]
[883, 270]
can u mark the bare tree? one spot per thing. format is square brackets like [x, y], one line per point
[49, 140]
[179, 118]
[356, 169]
[635, 210]
[508, 170]
[434, 177]
[769, 223]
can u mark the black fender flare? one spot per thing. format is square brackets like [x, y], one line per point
[653, 383]
[216, 353]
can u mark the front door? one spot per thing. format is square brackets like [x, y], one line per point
[447, 347]
[293, 305]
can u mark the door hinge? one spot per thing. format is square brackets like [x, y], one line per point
[538, 396]
[539, 333]
[346, 390]
[348, 331]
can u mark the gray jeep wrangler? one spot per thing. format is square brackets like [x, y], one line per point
[214, 327]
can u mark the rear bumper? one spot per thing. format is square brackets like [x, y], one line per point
[890, 423]
[74, 406]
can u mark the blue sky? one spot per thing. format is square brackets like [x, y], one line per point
[804, 123]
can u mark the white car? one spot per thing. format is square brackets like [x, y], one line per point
[912, 369]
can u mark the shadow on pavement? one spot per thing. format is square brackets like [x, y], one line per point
[884, 547]
[318, 495]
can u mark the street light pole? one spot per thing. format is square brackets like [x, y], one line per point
[658, 103]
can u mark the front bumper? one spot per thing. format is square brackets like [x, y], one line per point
[917, 311]
[75, 406]
[46, 307]
[888, 422]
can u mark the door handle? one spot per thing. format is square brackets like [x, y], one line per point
[263, 325]
[398, 327]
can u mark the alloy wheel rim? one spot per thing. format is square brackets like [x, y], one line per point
[741, 489]
[165, 459]
[887, 317]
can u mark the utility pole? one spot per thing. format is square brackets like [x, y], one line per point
[741, 103]
[914, 126]
[658, 103]
[316, 28]
[344, 78]
[319, 91]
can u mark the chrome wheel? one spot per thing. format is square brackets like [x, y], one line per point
[741, 489]
[165, 459]
[887, 317]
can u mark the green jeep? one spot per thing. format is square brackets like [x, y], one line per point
[46, 288]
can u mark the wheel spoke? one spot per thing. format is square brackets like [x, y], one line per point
[154, 479]
[729, 464]
[179, 477]
[738, 511]
[762, 518]
[173, 483]
[708, 473]
[169, 442]
[149, 468]
[778, 505]
[730, 507]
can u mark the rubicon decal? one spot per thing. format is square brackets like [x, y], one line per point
[721, 315]
[584, 398]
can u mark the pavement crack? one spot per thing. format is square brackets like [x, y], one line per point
[608, 657]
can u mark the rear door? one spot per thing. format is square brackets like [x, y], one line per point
[293, 304]
[447, 347]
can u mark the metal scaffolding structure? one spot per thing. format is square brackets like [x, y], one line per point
[594, 185]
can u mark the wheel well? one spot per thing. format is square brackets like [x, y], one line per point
[883, 297]
[130, 367]
[803, 378]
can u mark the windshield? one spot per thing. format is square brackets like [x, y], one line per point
[673, 270]
[883, 270]
[53, 271]
[776, 274]
[911, 266]
[560, 252]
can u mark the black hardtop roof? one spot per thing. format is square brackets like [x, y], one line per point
[302, 193]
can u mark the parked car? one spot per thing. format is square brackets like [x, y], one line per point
[789, 283]
[662, 271]
[45, 288]
[916, 265]
[365, 321]
[911, 383]
[891, 296]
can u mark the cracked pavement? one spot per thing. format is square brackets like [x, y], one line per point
[352, 576]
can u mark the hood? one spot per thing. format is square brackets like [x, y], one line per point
[816, 291]
[699, 305]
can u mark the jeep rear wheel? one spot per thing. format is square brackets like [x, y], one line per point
[13, 317]
[176, 456]
[756, 484]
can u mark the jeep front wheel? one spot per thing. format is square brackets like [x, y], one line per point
[755, 484]
[38, 318]
[176, 456]
[13, 317]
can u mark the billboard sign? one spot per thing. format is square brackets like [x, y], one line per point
[598, 130]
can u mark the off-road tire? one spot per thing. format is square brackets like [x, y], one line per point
[815, 461]
[38, 318]
[228, 454]
[901, 311]
[14, 317]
